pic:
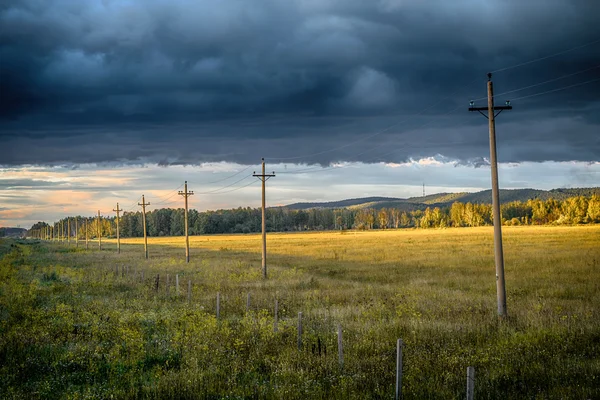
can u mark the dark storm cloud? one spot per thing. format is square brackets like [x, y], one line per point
[187, 82]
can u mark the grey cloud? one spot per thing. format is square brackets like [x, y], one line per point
[187, 82]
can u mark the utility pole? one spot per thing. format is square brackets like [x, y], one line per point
[76, 232]
[185, 195]
[144, 204]
[118, 210]
[99, 232]
[498, 252]
[264, 178]
[86, 234]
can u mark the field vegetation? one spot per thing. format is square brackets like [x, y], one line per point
[85, 324]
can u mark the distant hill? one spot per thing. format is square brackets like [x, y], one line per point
[12, 232]
[446, 199]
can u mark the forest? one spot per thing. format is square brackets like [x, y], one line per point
[170, 221]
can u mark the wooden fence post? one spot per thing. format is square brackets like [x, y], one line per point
[470, 383]
[340, 345]
[299, 331]
[275, 322]
[398, 370]
[156, 282]
[248, 303]
[218, 305]
[189, 290]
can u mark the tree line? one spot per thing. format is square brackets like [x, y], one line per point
[170, 222]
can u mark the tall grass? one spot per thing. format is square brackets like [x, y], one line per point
[70, 327]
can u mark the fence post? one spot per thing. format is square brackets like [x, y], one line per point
[248, 303]
[218, 305]
[157, 282]
[398, 370]
[340, 345]
[299, 331]
[470, 383]
[276, 310]
[189, 290]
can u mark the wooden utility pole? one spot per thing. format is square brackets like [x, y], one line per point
[86, 234]
[144, 204]
[76, 232]
[498, 252]
[264, 178]
[118, 210]
[185, 195]
[99, 232]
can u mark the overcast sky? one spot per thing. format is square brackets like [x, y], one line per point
[101, 100]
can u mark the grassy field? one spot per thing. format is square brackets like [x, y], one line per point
[70, 327]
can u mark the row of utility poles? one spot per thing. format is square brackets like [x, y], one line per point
[49, 234]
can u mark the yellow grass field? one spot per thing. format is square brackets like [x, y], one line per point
[435, 289]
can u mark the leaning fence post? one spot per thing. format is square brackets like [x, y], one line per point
[218, 305]
[398, 370]
[470, 383]
[275, 322]
[300, 331]
[340, 345]
[189, 290]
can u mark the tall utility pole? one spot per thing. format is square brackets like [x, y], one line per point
[76, 232]
[85, 227]
[264, 178]
[185, 195]
[118, 210]
[498, 252]
[99, 232]
[144, 204]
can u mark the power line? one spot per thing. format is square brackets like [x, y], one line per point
[225, 187]
[557, 90]
[542, 83]
[224, 179]
[546, 57]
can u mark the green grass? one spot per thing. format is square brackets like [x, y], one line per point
[70, 327]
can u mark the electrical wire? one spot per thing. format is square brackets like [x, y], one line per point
[557, 90]
[545, 57]
[225, 187]
[224, 179]
[541, 83]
